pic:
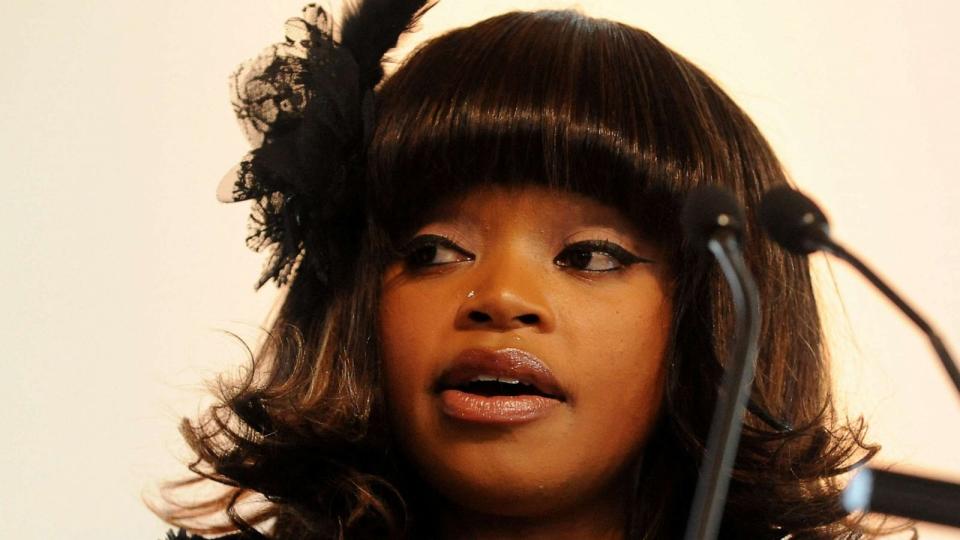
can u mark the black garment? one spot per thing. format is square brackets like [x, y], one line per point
[184, 535]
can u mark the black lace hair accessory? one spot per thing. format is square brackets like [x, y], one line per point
[307, 106]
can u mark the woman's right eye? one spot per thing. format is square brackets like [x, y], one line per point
[433, 250]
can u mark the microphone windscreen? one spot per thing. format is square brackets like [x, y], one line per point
[708, 209]
[792, 219]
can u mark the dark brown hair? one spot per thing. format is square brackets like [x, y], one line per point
[575, 103]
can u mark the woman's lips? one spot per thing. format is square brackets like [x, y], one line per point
[513, 366]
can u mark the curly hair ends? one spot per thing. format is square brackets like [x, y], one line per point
[576, 103]
[301, 429]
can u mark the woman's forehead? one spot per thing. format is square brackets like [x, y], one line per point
[546, 204]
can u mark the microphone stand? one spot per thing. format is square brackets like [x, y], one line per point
[886, 492]
[904, 495]
[797, 224]
[828, 245]
[726, 425]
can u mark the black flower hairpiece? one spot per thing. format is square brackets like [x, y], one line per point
[307, 107]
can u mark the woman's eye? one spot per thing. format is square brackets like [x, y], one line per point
[596, 256]
[433, 250]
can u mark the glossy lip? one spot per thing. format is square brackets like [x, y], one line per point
[504, 363]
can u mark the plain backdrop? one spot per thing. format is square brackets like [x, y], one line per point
[121, 270]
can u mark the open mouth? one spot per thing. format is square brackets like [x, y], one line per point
[509, 386]
[490, 386]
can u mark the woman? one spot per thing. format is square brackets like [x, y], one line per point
[494, 327]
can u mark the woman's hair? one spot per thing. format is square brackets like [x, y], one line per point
[587, 105]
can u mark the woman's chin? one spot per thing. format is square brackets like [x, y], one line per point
[485, 498]
[514, 485]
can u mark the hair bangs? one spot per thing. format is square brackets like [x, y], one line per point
[553, 98]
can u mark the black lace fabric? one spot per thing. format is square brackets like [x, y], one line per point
[300, 107]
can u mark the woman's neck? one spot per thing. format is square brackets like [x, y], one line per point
[598, 521]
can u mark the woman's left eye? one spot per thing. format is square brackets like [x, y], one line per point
[433, 250]
[596, 256]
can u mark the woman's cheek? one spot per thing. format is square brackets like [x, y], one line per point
[621, 351]
[410, 325]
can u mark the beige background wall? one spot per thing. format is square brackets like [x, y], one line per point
[120, 268]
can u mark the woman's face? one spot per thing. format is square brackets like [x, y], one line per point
[523, 336]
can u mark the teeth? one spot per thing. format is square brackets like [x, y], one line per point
[491, 378]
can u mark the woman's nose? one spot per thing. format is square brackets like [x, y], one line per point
[507, 297]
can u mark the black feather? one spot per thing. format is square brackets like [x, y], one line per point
[372, 27]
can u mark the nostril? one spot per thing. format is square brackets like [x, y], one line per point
[479, 316]
[529, 318]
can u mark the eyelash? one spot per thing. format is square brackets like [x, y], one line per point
[623, 257]
[417, 246]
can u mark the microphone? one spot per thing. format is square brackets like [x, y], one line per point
[794, 221]
[797, 223]
[710, 211]
[712, 219]
[896, 494]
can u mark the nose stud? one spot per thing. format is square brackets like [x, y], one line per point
[471, 294]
